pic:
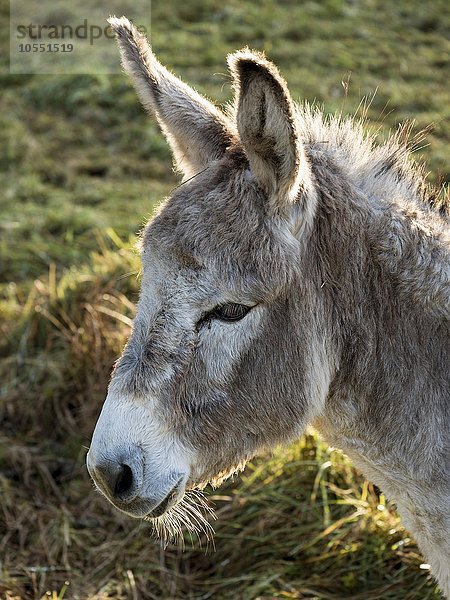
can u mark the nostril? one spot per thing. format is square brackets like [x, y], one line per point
[119, 479]
[124, 481]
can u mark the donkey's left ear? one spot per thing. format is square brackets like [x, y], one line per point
[267, 127]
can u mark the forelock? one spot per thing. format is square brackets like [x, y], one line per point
[221, 218]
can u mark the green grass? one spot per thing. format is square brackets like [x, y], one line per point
[81, 168]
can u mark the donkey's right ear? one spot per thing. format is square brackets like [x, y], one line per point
[267, 126]
[196, 130]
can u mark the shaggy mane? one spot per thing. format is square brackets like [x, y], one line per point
[384, 170]
[407, 219]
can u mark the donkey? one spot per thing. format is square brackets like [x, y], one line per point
[299, 275]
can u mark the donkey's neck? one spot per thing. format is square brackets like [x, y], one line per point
[380, 268]
[384, 292]
[381, 189]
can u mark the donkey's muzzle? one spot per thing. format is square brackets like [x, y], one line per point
[121, 480]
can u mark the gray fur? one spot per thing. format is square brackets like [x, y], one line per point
[335, 242]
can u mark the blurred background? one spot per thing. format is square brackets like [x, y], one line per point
[81, 169]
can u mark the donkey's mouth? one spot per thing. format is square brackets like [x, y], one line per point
[169, 501]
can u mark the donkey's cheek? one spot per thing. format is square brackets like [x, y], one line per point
[222, 345]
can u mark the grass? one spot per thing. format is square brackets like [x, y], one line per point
[81, 168]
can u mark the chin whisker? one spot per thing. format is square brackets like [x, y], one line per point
[190, 516]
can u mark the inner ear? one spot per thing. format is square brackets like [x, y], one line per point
[267, 126]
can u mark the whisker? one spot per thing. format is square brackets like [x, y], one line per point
[188, 517]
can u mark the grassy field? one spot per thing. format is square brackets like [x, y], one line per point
[81, 168]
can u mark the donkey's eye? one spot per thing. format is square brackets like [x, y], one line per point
[230, 311]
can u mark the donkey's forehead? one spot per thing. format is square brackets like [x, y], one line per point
[219, 211]
[220, 220]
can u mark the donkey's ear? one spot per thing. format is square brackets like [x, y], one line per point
[196, 130]
[267, 125]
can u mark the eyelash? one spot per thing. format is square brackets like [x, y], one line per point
[228, 312]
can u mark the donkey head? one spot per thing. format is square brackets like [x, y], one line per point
[224, 360]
